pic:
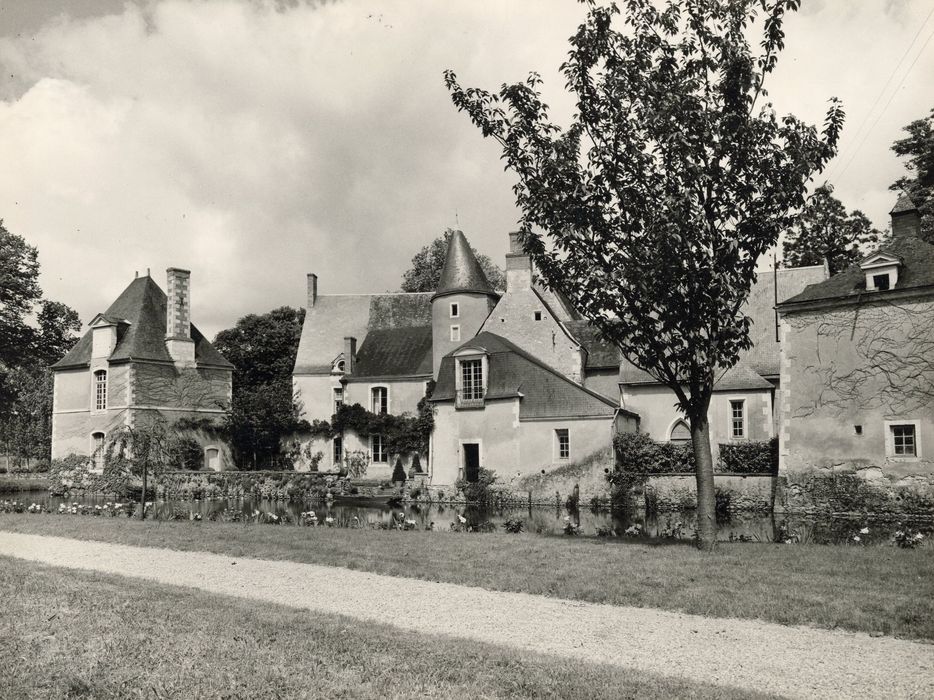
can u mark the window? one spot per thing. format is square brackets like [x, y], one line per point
[340, 365]
[680, 433]
[472, 379]
[737, 419]
[455, 311]
[338, 447]
[338, 398]
[904, 440]
[538, 315]
[97, 451]
[880, 282]
[455, 333]
[378, 449]
[100, 390]
[379, 403]
[564, 443]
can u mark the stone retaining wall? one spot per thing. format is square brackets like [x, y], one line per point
[735, 492]
[864, 491]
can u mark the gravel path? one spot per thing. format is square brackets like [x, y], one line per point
[790, 661]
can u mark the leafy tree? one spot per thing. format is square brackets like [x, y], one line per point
[264, 409]
[27, 350]
[427, 264]
[825, 230]
[144, 449]
[19, 291]
[918, 148]
[650, 211]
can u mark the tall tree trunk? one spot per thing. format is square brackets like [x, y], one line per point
[706, 498]
[142, 515]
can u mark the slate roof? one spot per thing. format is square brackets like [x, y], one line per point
[601, 353]
[335, 316]
[139, 313]
[762, 359]
[513, 372]
[903, 205]
[916, 272]
[462, 272]
[394, 352]
[740, 377]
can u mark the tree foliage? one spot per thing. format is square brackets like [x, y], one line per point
[27, 348]
[652, 208]
[264, 408]
[917, 148]
[824, 230]
[425, 272]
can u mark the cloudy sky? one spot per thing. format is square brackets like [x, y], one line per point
[254, 142]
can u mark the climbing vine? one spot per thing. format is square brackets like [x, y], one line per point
[405, 433]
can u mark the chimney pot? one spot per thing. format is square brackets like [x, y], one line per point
[312, 289]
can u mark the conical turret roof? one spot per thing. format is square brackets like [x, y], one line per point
[903, 205]
[462, 271]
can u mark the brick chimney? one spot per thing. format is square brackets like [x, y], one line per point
[178, 317]
[518, 265]
[312, 289]
[350, 354]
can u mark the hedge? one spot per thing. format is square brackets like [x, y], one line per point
[637, 453]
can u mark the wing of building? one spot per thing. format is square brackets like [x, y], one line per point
[857, 375]
[140, 359]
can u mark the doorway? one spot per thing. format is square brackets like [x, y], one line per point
[471, 461]
[212, 459]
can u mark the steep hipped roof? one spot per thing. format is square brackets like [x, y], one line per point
[903, 205]
[848, 285]
[394, 352]
[601, 353]
[513, 372]
[763, 356]
[462, 272]
[139, 313]
[332, 317]
[762, 359]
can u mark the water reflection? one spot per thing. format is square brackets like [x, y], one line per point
[751, 527]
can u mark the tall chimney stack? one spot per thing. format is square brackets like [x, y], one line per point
[350, 354]
[178, 317]
[312, 289]
[518, 265]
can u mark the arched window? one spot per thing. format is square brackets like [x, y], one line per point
[680, 432]
[100, 390]
[97, 451]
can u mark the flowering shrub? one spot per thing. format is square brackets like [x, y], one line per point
[906, 539]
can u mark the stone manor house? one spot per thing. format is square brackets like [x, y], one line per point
[841, 369]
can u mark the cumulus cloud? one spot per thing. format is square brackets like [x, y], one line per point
[256, 141]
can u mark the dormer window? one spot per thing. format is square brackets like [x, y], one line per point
[881, 272]
[339, 365]
[471, 378]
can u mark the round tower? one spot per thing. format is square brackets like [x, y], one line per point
[462, 302]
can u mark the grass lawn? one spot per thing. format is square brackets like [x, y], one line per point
[875, 589]
[77, 634]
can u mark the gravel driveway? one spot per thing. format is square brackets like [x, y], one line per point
[790, 661]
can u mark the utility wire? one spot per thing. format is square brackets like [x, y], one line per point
[891, 97]
[886, 84]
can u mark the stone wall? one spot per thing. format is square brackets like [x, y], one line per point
[735, 492]
[846, 489]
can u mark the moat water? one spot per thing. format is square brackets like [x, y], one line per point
[752, 527]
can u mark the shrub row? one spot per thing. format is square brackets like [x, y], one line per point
[637, 453]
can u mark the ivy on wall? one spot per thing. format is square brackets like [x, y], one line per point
[405, 433]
